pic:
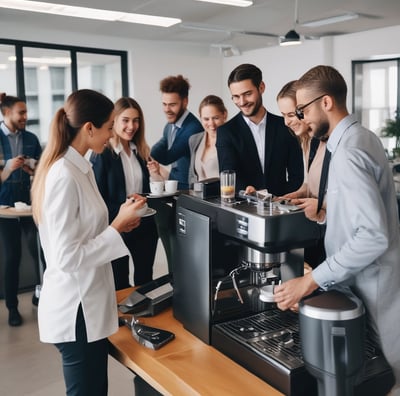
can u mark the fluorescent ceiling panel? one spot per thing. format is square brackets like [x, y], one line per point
[89, 13]
[237, 3]
[331, 20]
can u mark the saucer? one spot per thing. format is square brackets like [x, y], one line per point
[149, 212]
[164, 194]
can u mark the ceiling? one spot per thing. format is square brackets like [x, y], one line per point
[220, 26]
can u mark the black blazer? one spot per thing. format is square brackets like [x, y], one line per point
[236, 148]
[110, 179]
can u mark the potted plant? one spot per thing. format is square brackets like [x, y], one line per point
[392, 129]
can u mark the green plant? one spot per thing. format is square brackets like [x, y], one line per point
[392, 129]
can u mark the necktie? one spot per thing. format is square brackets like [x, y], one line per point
[172, 135]
[324, 178]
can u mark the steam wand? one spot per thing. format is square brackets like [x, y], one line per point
[232, 275]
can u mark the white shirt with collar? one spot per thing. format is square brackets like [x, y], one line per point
[79, 245]
[258, 132]
[132, 170]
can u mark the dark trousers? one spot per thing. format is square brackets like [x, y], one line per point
[84, 364]
[10, 243]
[142, 244]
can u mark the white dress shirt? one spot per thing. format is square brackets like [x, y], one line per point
[132, 170]
[258, 131]
[78, 244]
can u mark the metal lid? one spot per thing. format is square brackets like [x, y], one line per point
[332, 305]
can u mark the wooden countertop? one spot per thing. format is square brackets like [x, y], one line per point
[186, 365]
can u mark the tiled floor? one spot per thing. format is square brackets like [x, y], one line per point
[31, 368]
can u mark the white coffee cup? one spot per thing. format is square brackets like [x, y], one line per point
[171, 186]
[142, 211]
[21, 206]
[157, 187]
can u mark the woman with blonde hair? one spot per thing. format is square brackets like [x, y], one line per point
[121, 171]
[203, 153]
[77, 307]
[313, 156]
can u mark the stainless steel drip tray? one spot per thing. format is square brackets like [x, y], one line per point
[272, 333]
[268, 345]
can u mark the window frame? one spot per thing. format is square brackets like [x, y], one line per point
[73, 50]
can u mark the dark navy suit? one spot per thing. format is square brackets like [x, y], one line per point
[17, 188]
[179, 153]
[237, 151]
[142, 241]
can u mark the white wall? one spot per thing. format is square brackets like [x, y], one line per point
[149, 62]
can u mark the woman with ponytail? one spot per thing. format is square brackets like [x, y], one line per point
[77, 307]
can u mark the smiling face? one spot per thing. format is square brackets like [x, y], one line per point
[211, 118]
[102, 135]
[16, 116]
[247, 97]
[314, 116]
[174, 106]
[287, 108]
[126, 124]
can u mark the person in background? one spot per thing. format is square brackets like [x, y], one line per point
[173, 149]
[255, 143]
[77, 306]
[203, 153]
[20, 151]
[313, 155]
[121, 171]
[362, 238]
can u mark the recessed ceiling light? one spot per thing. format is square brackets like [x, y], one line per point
[237, 3]
[89, 13]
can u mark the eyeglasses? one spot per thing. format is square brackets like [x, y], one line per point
[300, 109]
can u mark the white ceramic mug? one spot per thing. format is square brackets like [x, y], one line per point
[157, 187]
[171, 186]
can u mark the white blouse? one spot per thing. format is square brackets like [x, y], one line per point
[78, 245]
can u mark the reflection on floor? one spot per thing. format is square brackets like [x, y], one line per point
[29, 367]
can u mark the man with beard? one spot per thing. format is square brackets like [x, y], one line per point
[362, 231]
[255, 143]
[20, 150]
[173, 149]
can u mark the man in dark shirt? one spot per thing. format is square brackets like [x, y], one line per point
[20, 151]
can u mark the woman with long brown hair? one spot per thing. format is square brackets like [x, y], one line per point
[120, 172]
[77, 307]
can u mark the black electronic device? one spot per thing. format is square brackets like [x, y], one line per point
[207, 188]
[149, 299]
[150, 337]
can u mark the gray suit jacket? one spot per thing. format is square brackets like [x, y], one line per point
[194, 142]
[362, 236]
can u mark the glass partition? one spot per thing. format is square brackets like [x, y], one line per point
[101, 73]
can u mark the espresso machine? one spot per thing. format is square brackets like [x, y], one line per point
[227, 259]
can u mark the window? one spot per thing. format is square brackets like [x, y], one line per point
[376, 94]
[44, 75]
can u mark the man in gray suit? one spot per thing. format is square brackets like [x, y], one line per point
[362, 236]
